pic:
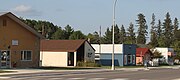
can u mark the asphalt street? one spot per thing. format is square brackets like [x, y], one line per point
[152, 74]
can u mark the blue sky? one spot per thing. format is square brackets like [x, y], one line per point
[88, 15]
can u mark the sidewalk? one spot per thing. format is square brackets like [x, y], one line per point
[31, 71]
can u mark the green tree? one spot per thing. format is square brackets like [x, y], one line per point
[178, 36]
[46, 28]
[160, 37]
[142, 29]
[159, 29]
[116, 34]
[176, 45]
[77, 35]
[122, 35]
[156, 54]
[153, 38]
[131, 39]
[50, 29]
[107, 37]
[68, 31]
[94, 38]
[59, 34]
[167, 31]
[175, 27]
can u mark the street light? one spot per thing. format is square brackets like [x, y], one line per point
[113, 34]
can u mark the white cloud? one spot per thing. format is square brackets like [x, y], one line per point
[25, 10]
[22, 8]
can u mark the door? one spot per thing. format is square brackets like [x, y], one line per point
[5, 59]
[70, 58]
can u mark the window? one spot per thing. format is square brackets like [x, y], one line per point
[26, 55]
[14, 42]
[133, 59]
[97, 56]
[89, 55]
[125, 59]
[4, 22]
[129, 59]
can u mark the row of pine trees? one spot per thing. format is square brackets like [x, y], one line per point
[162, 33]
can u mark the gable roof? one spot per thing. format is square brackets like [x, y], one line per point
[16, 19]
[61, 45]
[142, 51]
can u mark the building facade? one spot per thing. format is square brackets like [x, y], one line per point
[19, 43]
[167, 54]
[124, 54]
[143, 55]
[65, 53]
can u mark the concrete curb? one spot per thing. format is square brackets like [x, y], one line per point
[31, 71]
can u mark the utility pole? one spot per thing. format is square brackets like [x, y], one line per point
[114, 6]
[100, 40]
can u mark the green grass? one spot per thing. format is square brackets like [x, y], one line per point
[109, 67]
[67, 68]
[2, 71]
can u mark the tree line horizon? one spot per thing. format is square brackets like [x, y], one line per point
[164, 33]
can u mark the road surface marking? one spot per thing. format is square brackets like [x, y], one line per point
[5, 77]
[96, 79]
[120, 79]
[75, 78]
[176, 79]
[56, 78]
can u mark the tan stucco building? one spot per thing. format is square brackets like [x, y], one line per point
[19, 43]
[64, 53]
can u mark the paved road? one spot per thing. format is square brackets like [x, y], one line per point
[152, 74]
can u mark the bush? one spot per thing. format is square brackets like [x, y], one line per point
[139, 63]
[87, 64]
[164, 64]
[176, 63]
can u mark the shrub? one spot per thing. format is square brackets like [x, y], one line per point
[87, 64]
[139, 63]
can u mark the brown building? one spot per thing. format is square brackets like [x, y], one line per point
[19, 43]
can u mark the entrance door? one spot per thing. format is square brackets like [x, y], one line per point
[5, 59]
[70, 58]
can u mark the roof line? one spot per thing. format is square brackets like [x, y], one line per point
[81, 44]
[16, 19]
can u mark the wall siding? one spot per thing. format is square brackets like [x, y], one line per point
[120, 51]
[106, 59]
[129, 49]
[54, 59]
[107, 48]
[89, 50]
[164, 52]
[26, 40]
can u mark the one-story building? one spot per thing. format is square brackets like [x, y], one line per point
[143, 55]
[167, 54]
[19, 43]
[124, 54]
[65, 53]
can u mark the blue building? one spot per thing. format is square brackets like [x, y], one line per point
[124, 54]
